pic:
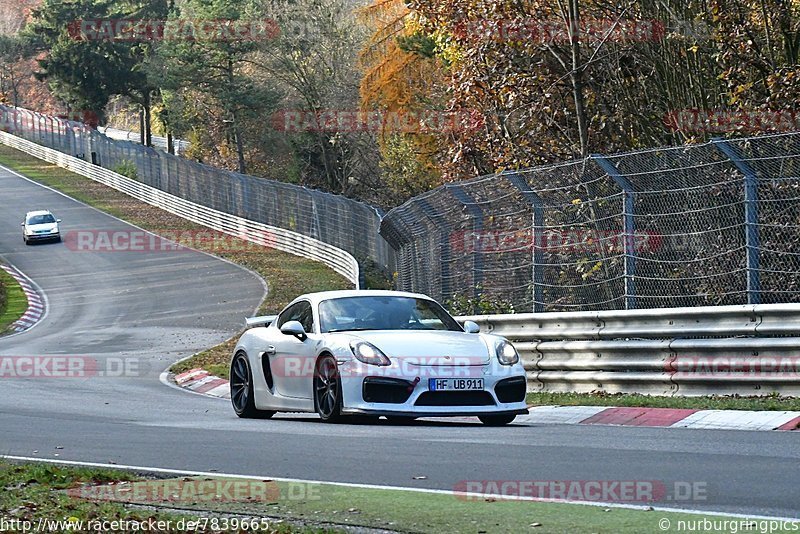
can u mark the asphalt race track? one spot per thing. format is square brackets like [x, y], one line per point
[153, 308]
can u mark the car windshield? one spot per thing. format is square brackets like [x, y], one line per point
[41, 219]
[384, 313]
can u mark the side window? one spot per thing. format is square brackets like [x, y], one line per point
[306, 317]
[289, 314]
[301, 312]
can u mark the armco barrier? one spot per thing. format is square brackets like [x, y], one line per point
[159, 142]
[745, 350]
[286, 240]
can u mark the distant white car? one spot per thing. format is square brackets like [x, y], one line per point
[40, 225]
[371, 354]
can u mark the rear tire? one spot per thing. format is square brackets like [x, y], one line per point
[496, 420]
[242, 396]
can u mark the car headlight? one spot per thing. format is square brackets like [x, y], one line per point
[54, 231]
[368, 353]
[506, 353]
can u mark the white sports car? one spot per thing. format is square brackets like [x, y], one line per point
[371, 354]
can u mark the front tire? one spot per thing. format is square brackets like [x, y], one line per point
[242, 396]
[496, 420]
[328, 390]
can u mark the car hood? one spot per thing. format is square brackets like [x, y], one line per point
[40, 227]
[429, 347]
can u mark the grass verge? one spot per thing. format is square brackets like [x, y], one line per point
[43, 498]
[13, 301]
[389, 510]
[711, 402]
[287, 276]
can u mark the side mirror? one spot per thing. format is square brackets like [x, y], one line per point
[58, 220]
[471, 327]
[22, 224]
[294, 328]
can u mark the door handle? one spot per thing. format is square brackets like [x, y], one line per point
[270, 351]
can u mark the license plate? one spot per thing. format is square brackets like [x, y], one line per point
[455, 384]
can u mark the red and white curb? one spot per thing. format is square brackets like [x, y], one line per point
[663, 417]
[36, 303]
[199, 381]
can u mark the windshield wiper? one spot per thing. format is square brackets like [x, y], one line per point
[349, 330]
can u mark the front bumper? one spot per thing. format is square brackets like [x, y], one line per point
[409, 394]
[421, 413]
[42, 237]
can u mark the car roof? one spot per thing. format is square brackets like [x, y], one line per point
[316, 298]
[38, 212]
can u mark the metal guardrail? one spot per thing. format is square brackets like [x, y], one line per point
[745, 350]
[181, 146]
[286, 240]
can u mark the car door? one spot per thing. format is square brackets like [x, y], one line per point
[293, 361]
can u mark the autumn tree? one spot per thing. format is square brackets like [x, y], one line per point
[85, 71]
[558, 80]
[402, 75]
[757, 52]
[209, 84]
[312, 62]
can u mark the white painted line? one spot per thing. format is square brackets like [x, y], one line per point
[178, 472]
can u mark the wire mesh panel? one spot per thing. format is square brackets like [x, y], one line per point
[709, 224]
[689, 226]
[775, 162]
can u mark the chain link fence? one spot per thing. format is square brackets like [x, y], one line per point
[710, 224]
[342, 222]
